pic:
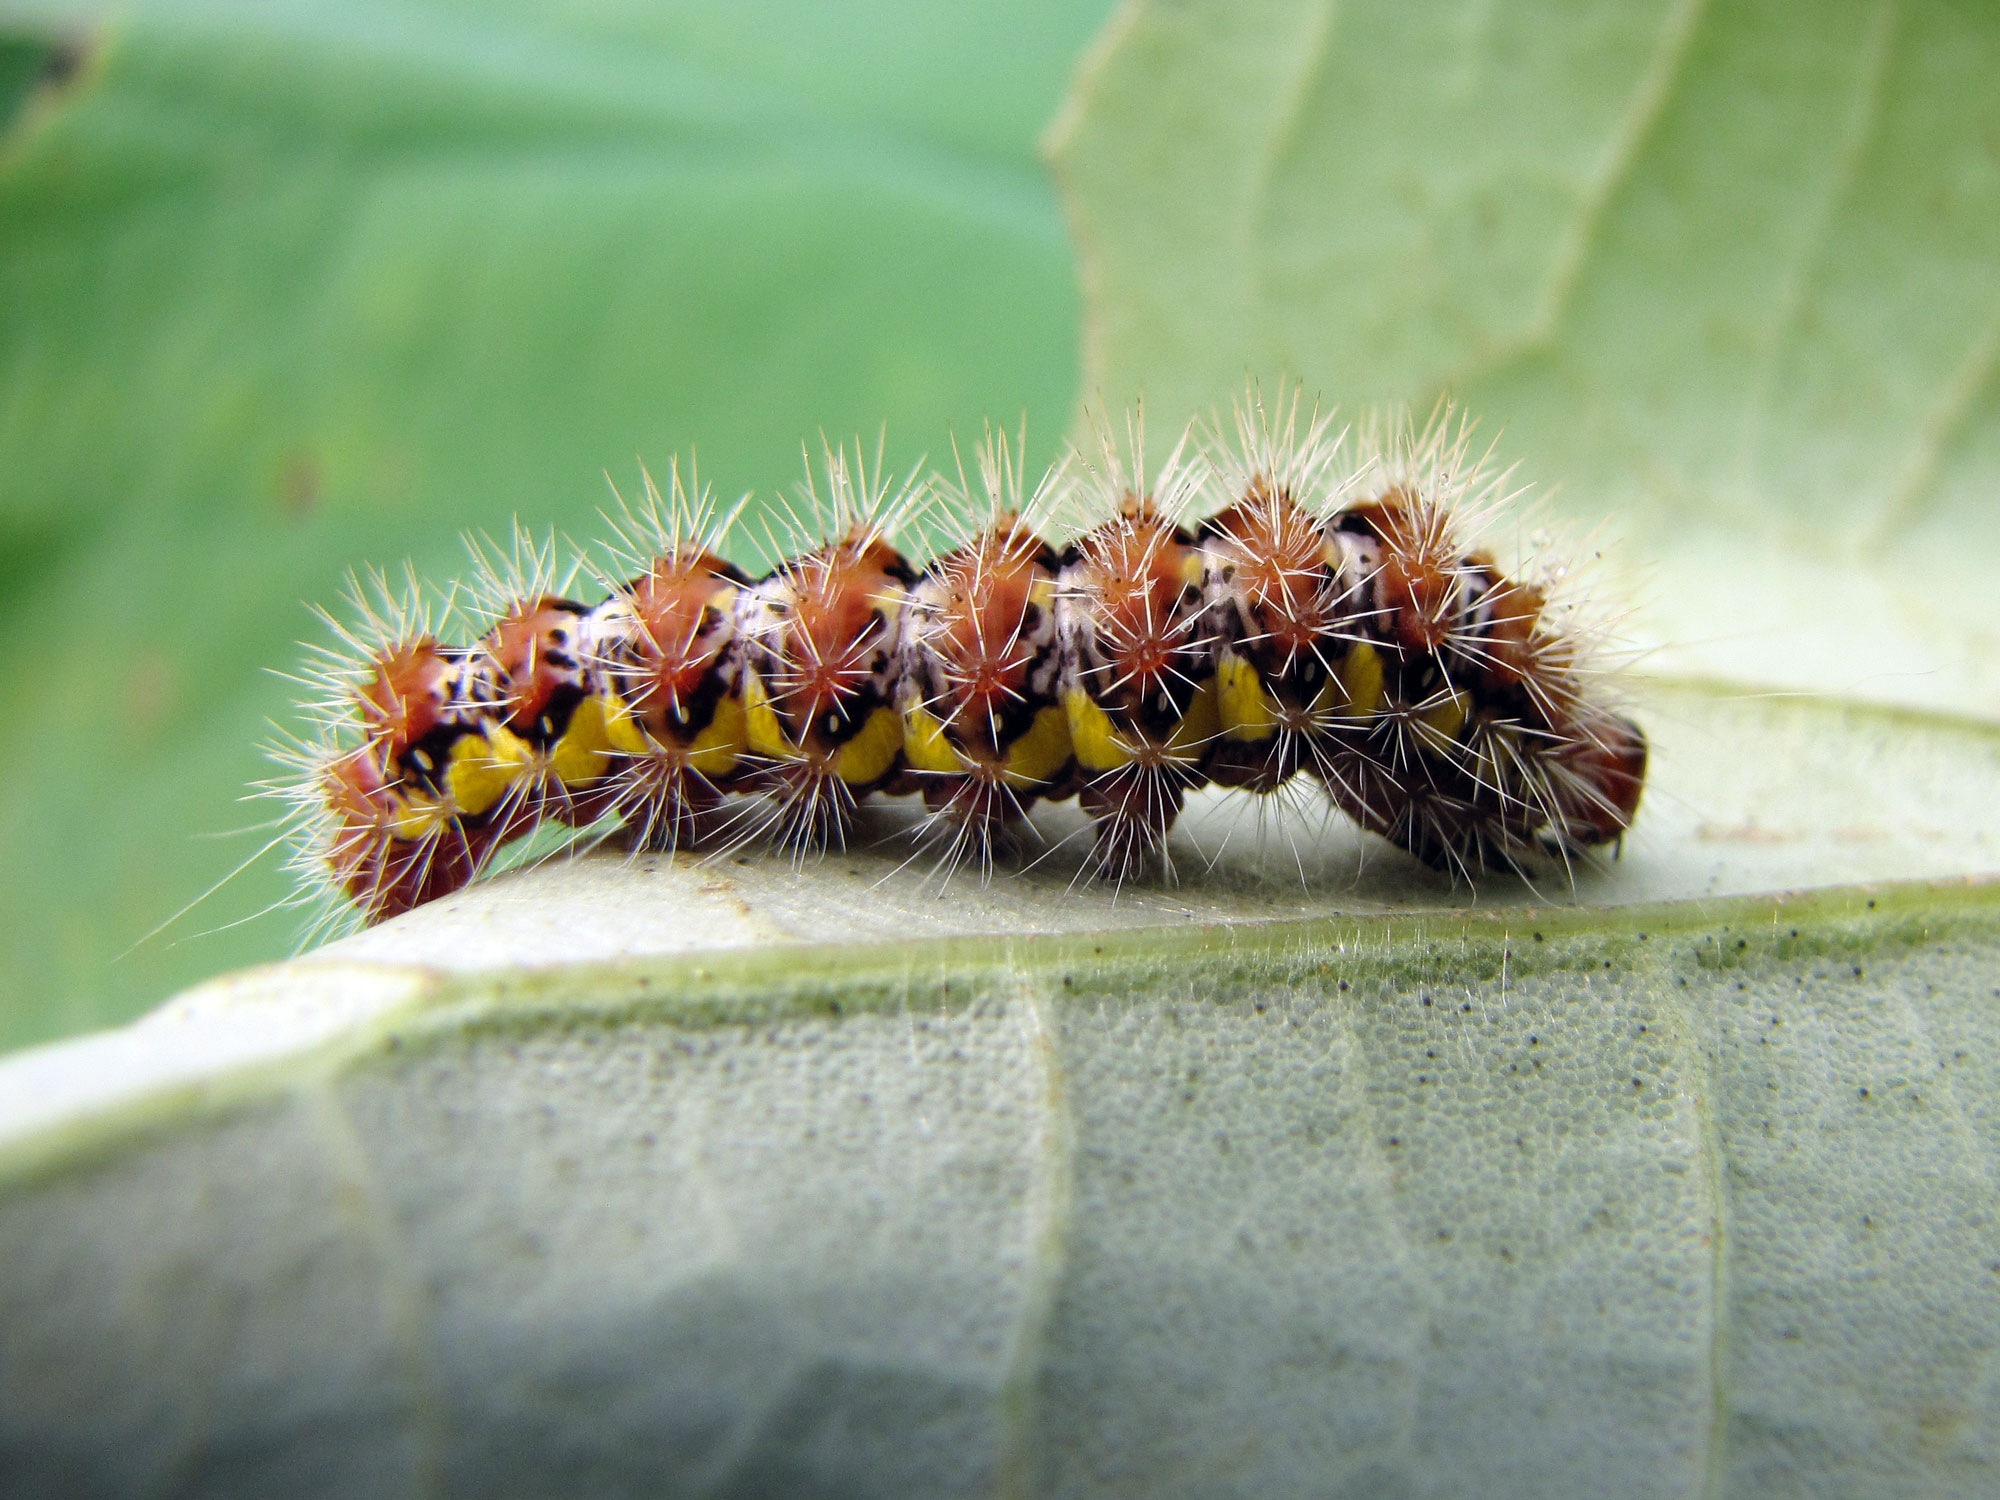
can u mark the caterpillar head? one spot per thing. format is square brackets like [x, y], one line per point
[1596, 782]
[387, 849]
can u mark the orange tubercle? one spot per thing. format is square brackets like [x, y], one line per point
[531, 650]
[828, 644]
[679, 604]
[982, 627]
[1140, 564]
[408, 696]
[1278, 554]
[1417, 584]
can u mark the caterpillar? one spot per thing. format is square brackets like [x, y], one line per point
[1265, 609]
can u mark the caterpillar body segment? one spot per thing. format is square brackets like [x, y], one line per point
[1281, 598]
[669, 657]
[1138, 665]
[547, 719]
[530, 684]
[1275, 599]
[985, 731]
[1260, 612]
[823, 629]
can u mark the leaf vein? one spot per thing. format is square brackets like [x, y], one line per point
[1864, 117]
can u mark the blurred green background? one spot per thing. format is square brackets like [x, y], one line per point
[293, 286]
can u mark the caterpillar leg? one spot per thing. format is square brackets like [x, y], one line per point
[1132, 810]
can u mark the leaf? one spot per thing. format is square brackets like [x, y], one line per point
[1726, 275]
[1304, 1177]
[289, 288]
[721, 1178]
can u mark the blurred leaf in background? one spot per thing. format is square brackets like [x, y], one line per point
[1727, 273]
[292, 286]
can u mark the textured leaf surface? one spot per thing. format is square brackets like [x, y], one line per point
[1727, 275]
[727, 1179]
[286, 288]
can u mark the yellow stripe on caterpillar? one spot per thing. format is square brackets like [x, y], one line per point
[1037, 757]
[1360, 673]
[1097, 742]
[925, 745]
[1438, 725]
[718, 749]
[621, 726]
[1100, 746]
[1201, 724]
[420, 817]
[583, 754]
[485, 767]
[871, 753]
[1243, 708]
[764, 734]
[1034, 759]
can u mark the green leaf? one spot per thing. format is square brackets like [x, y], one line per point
[289, 288]
[1728, 277]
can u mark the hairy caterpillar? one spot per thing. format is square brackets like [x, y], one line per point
[1258, 608]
